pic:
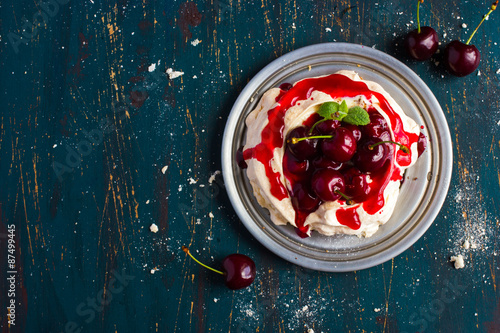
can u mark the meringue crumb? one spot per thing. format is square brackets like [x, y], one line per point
[466, 244]
[195, 42]
[376, 309]
[328, 30]
[151, 67]
[458, 260]
[211, 215]
[498, 71]
[173, 74]
[464, 25]
[153, 270]
[153, 228]
[293, 26]
[192, 181]
[147, 202]
[164, 169]
[478, 73]
[212, 177]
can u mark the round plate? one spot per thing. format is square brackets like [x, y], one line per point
[422, 192]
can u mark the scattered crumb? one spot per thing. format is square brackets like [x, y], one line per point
[473, 246]
[211, 215]
[153, 270]
[376, 309]
[195, 77]
[154, 228]
[212, 177]
[192, 181]
[444, 35]
[164, 169]
[147, 202]
[293, 26]
[310, 330]
[216, 300]
[498, 71]
[173, 74]
[180, 188]
[466, 244]
[464, 25]
[458, 260]
[478, 73]
[195, 42]
[55, 145]
[328, 30]
[151, 67]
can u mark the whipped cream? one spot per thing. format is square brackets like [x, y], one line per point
[265, 163]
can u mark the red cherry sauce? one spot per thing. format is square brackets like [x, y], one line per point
[337, 86]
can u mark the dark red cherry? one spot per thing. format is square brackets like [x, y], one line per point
[461, 59]
[377, 128]
[303, 149]
[356, 185]
[303, 198]
[321, 162]
[356, 131]
[294, 165]
[239, 271]
[369, 157]
[326, 183]
[341, 147]
[327, 126]
[422, 45]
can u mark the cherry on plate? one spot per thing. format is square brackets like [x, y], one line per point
[328, 184]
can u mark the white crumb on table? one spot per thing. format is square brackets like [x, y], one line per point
[293, 26]
[216, 300]
[310, 330]
[192, 181]
[498, 71]
[195, 42]
[212, 177]
[153, 270]
[153, 228]
[151, 67]
[173, 74]
[147, 202]
[211, 215]
[164, 169]
[466, 244]
[464, 25]
[328, 30]
[376, 309]
[458, 260]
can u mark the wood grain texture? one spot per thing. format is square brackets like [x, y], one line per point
[87, 125]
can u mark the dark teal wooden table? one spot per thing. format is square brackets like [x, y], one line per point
[98, 143]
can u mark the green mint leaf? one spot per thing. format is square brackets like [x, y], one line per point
[327, 109]
[357, 116]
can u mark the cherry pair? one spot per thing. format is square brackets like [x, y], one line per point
[460, 59]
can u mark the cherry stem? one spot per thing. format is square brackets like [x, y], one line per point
[403, 148]
[185, 249]
[418, 14]
[348, 200]
[492, 8]
[297, 140]
[316, 123]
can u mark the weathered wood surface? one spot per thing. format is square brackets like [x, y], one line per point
[84, 252]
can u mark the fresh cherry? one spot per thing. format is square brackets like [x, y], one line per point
[356, 184]
[303, 198]
[377, 128]
[294, 165]
[321, 162]
[341, 146]
[356, 131]
[461, 59]
[369, 157]
[303, 149]
[328, 184]
[239, 270]
[327, 126]
[422, 42]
